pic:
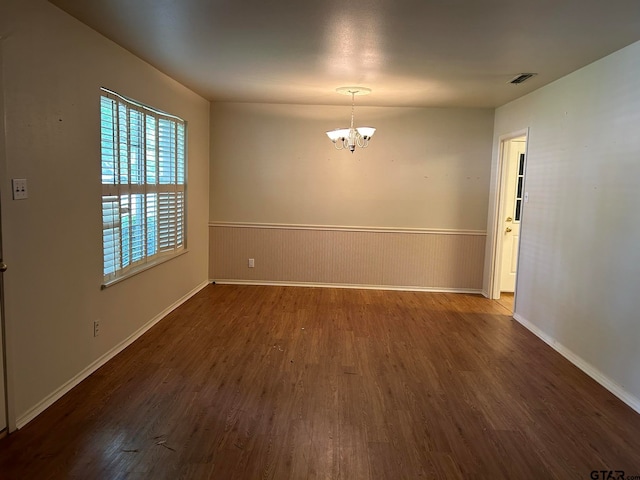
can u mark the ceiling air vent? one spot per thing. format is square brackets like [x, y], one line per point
[521, 77]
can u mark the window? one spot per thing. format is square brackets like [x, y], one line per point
[519, 188]
[143, 185]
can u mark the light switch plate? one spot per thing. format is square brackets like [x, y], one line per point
[19, 186]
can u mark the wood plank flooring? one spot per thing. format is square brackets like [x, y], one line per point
[506, 300]
[246, 382]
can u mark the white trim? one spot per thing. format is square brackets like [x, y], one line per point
[45, 403]
[582, 364]
[345, 285]
[338, 228]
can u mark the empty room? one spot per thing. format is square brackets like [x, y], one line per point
[291, 240]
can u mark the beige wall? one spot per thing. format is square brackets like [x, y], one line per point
[579, 267]
[425, 169]
[53, 69]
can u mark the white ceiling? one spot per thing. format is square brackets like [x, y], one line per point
[441, 53]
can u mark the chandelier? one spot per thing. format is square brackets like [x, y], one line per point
[350, 137]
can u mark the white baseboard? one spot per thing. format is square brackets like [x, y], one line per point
[582, 364]
[65, 388]
[346, 285]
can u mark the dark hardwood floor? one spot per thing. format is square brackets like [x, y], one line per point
[247, 382]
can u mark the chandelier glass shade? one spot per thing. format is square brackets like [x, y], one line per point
[349, 138]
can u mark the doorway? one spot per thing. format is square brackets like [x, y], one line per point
[511, 197]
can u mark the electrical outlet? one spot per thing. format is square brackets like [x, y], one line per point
[96, 328]
[251, 263]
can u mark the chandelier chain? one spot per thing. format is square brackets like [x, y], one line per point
[353, 107]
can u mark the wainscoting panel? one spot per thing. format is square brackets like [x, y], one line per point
[386, 258]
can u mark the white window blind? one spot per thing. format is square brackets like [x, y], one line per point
[143, 185]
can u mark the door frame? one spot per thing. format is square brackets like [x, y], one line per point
[498, 213]
[5, 360]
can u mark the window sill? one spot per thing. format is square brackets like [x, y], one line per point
[142, 268]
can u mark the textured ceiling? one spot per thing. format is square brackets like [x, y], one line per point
[440, 53]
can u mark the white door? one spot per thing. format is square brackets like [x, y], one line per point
[512, 210]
